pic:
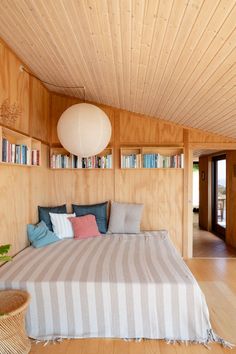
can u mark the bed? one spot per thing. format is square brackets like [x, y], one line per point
[114, 286]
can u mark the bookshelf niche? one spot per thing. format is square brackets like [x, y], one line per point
[17, 149]
[152, 157]
[61, 159]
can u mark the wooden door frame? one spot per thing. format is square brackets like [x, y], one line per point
[187, 248]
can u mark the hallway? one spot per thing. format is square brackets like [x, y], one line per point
[206, 244]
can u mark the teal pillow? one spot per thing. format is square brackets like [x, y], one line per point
[39, 235]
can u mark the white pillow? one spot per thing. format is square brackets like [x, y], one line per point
[125, 218]
[62, 227]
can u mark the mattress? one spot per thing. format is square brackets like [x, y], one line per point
[114, 286]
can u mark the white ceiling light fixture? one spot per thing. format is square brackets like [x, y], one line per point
[84, 130]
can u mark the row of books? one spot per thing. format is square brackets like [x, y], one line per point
[162, 161]
[15, 153]
[131, 161]
[72, 161]
[152, 161]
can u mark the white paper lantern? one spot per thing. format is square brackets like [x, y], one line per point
[84, 130]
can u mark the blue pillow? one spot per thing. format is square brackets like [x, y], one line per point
[44, 213]
[98, 210]
[39, 235]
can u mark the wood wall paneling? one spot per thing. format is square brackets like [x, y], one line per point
[166, 195]
[137, 129]
[199, 136]
[14, 92]
[58, 105]
[81, 187]
[187, 199]
[14, 206]
[40, 189]
[161, 193]
[204, 195]
[22, 188]
[39, 111]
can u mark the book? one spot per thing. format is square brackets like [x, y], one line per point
[152, 160]
[73, 161]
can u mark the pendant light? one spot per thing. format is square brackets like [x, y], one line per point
[84, 130]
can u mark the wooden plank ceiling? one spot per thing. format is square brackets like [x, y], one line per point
[202, 152]
[172, 59]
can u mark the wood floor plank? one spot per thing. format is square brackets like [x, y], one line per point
[206, 244]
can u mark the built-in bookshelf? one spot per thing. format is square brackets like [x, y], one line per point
[60, 158]
[19, 149]
[151, 157]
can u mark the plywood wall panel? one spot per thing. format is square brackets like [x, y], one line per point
[137, 129]
[204, 202]
[14, 92]
[161, 192]
[22, 188]
[58, 105]
[81, 187]
[39, 185]
[39, 111]
[198, 136]
[170, 133]
[14, 206]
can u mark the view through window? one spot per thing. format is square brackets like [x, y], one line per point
[221, 192]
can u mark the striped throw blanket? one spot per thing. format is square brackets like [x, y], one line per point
[125, 286]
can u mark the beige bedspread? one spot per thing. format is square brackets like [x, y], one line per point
[126, 286]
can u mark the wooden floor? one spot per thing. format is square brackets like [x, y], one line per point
[217, 278]
[206, 244]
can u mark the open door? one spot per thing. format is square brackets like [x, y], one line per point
[219, 195]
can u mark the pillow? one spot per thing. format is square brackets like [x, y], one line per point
[61, 225]
[125, 218]
[44, 213]
[85, 226]
[39, 235]
[98, 210]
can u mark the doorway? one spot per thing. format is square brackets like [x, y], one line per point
[219, 195]
[209, 204]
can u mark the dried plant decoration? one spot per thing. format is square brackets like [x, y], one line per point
[9, 113]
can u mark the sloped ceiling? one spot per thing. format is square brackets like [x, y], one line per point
[172, 59]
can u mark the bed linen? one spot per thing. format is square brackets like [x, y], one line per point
[117, 286]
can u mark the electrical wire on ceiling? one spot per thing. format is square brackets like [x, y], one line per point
[22, 68]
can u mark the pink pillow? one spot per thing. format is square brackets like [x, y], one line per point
[84, 226]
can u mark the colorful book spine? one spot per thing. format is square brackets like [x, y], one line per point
[131, 161]
[152, 160]
[4, 149]
[15, 153]
[67, 161]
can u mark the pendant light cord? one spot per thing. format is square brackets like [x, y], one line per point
[22, 68]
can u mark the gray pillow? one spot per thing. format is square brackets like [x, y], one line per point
[125, 218]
